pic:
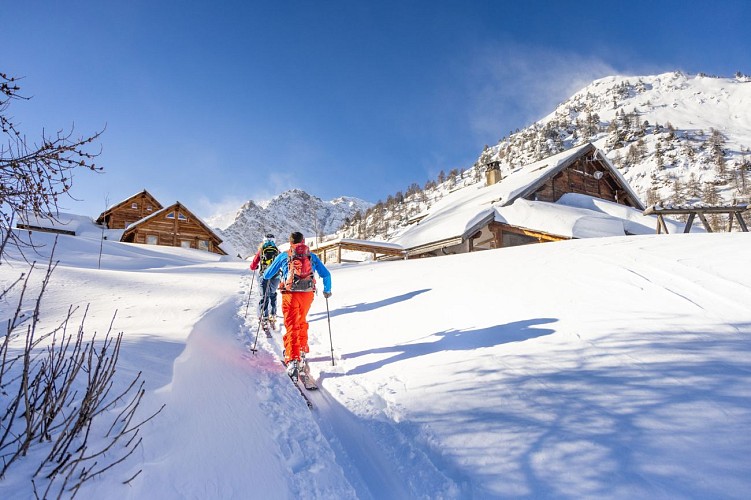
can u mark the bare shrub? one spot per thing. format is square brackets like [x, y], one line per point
[60, 403]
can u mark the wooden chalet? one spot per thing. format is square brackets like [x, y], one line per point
[174, 226]
[130, 210]
[526, 206]
[586, 172]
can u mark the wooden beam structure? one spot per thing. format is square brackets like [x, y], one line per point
[331, 251]
[732, 211]
[45, 229]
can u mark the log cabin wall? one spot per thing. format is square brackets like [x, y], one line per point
[175, 227]
[579, 178]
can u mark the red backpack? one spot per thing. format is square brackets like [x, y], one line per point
[300, 276]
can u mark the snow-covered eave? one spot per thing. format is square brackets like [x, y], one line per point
[134, 225]
[434, 245]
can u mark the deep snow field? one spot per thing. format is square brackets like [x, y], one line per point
[602, 368]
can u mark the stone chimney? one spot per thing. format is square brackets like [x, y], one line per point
[492, 173]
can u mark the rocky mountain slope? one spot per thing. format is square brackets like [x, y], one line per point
[676, 138]
[293, 210]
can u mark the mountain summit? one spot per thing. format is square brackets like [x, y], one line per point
[677, 137]
[293, 210]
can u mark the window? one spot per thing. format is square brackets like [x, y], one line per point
[148, 208]
[185, 243]
[134, 205]
[203, 245]
[181, 217]
[509, 239]
[171, 215]
[152, 239]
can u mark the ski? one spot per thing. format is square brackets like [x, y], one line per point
[299, 389]
[304, 396]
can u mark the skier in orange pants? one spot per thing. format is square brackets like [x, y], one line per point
[295, 307]
[297, 265]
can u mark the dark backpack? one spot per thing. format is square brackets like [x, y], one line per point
[300, 277]
[269, 251]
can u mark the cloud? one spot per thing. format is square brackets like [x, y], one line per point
[211, 209]
[513, 86]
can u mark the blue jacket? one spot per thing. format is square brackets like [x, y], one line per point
[280, 263]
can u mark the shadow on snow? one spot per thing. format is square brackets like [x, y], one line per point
[362, 307]
[456, 340]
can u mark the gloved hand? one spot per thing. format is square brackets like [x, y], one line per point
[327, 294]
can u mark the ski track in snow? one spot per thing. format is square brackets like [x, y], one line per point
[672, 281]
[379, 461]
[295, 432]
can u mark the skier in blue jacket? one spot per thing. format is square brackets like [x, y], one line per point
[298, 266]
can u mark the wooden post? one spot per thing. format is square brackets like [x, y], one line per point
[661, 226]
[689, 222]
[704, 221]
[741, 222]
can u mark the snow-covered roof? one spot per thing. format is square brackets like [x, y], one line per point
[355, 242]
[559, 220]
[56, 222]
[125, 200]
[634, 222]
[449, 220]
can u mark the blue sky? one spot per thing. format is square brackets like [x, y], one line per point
[215, 103]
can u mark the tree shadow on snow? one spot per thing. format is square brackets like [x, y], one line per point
[456, 340]
[362, 307]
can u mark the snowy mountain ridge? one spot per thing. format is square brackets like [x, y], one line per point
[292, 210]
[675, 138]
[658, 130]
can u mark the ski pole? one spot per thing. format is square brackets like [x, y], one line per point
[258, 330]
[331, 342]
[251, 291]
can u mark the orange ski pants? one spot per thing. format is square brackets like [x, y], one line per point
[295, 307]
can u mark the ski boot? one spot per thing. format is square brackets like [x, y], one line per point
[293, 370]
